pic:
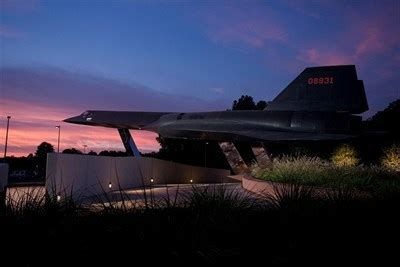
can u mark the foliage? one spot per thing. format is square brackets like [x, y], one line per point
[43, 149]
[391, 158]
[261, 105]
[113, 153]
[346, 156]
[72, 151]
[41, 157]
[313, 171]
[386, 120]
[246, 102]
[215, 226]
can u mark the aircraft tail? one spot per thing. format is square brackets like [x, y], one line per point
[329, 88]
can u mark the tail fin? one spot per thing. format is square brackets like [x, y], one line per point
[330, 88]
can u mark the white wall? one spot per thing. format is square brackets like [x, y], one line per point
[3, 175]
[84, 175]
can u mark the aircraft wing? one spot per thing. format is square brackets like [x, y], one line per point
[289, 135]
[116, 119]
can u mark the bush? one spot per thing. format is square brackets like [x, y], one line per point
[314, 171]
[345, 155]
[391, 159]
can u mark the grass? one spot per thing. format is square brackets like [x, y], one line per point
[313, 171]
[212, 225]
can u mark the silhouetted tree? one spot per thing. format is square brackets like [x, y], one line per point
[386, 120]
[92, 153]
[41, 157]
[261, 105]
[113, 153]
[72, 151]
[245, 102]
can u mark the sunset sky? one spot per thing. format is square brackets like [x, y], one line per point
[59, 58]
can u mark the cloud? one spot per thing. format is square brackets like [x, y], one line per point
[58, 88]
[19, 5]
[318, 57]
[31, 124]
[40, 98]
[231, 24]
[10, 32]
[218, 90]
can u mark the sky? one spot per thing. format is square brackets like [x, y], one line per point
[59, 58]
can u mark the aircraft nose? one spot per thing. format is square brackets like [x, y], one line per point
[74, 119]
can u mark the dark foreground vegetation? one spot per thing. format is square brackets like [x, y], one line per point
[208, 227]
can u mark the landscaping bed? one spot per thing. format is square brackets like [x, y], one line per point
[321, 175]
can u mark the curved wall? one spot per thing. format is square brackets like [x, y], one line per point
[85, 175]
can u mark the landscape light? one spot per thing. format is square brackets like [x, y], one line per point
[58, 197]
[191, 180]
[151, 180]
[109, 185]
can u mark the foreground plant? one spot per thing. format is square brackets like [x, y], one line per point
[345, 156]
[391, 158]
[313, 171]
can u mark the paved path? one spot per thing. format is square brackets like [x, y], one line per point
[174, 194]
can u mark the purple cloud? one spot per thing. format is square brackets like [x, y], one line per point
[231, 24]
[10, 32]
[55, 87]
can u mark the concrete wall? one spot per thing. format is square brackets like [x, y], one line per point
[84, 175]
[3, 175]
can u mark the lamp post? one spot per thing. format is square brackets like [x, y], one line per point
[5, 147]
[205, 154]
[58, 141]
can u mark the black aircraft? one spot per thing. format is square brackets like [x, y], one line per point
[318, 105]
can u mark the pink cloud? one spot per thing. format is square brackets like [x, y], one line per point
[250, 27]
[377, 39]
[32, 124]
[373, 31]
[326, 57]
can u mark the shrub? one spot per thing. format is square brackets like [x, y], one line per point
[391, 158]
[345, 156]
[313, 171]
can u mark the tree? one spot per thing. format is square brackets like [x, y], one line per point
[245, 102]
[41, 157]
[261, 105]
[92, 153]
[72, 151]
[386, 120]
[113, 153]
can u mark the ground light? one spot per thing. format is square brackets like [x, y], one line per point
[110, 185]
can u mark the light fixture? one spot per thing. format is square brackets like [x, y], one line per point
[151, 180]
[191, 181]
[58, 197]
[109, 185]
